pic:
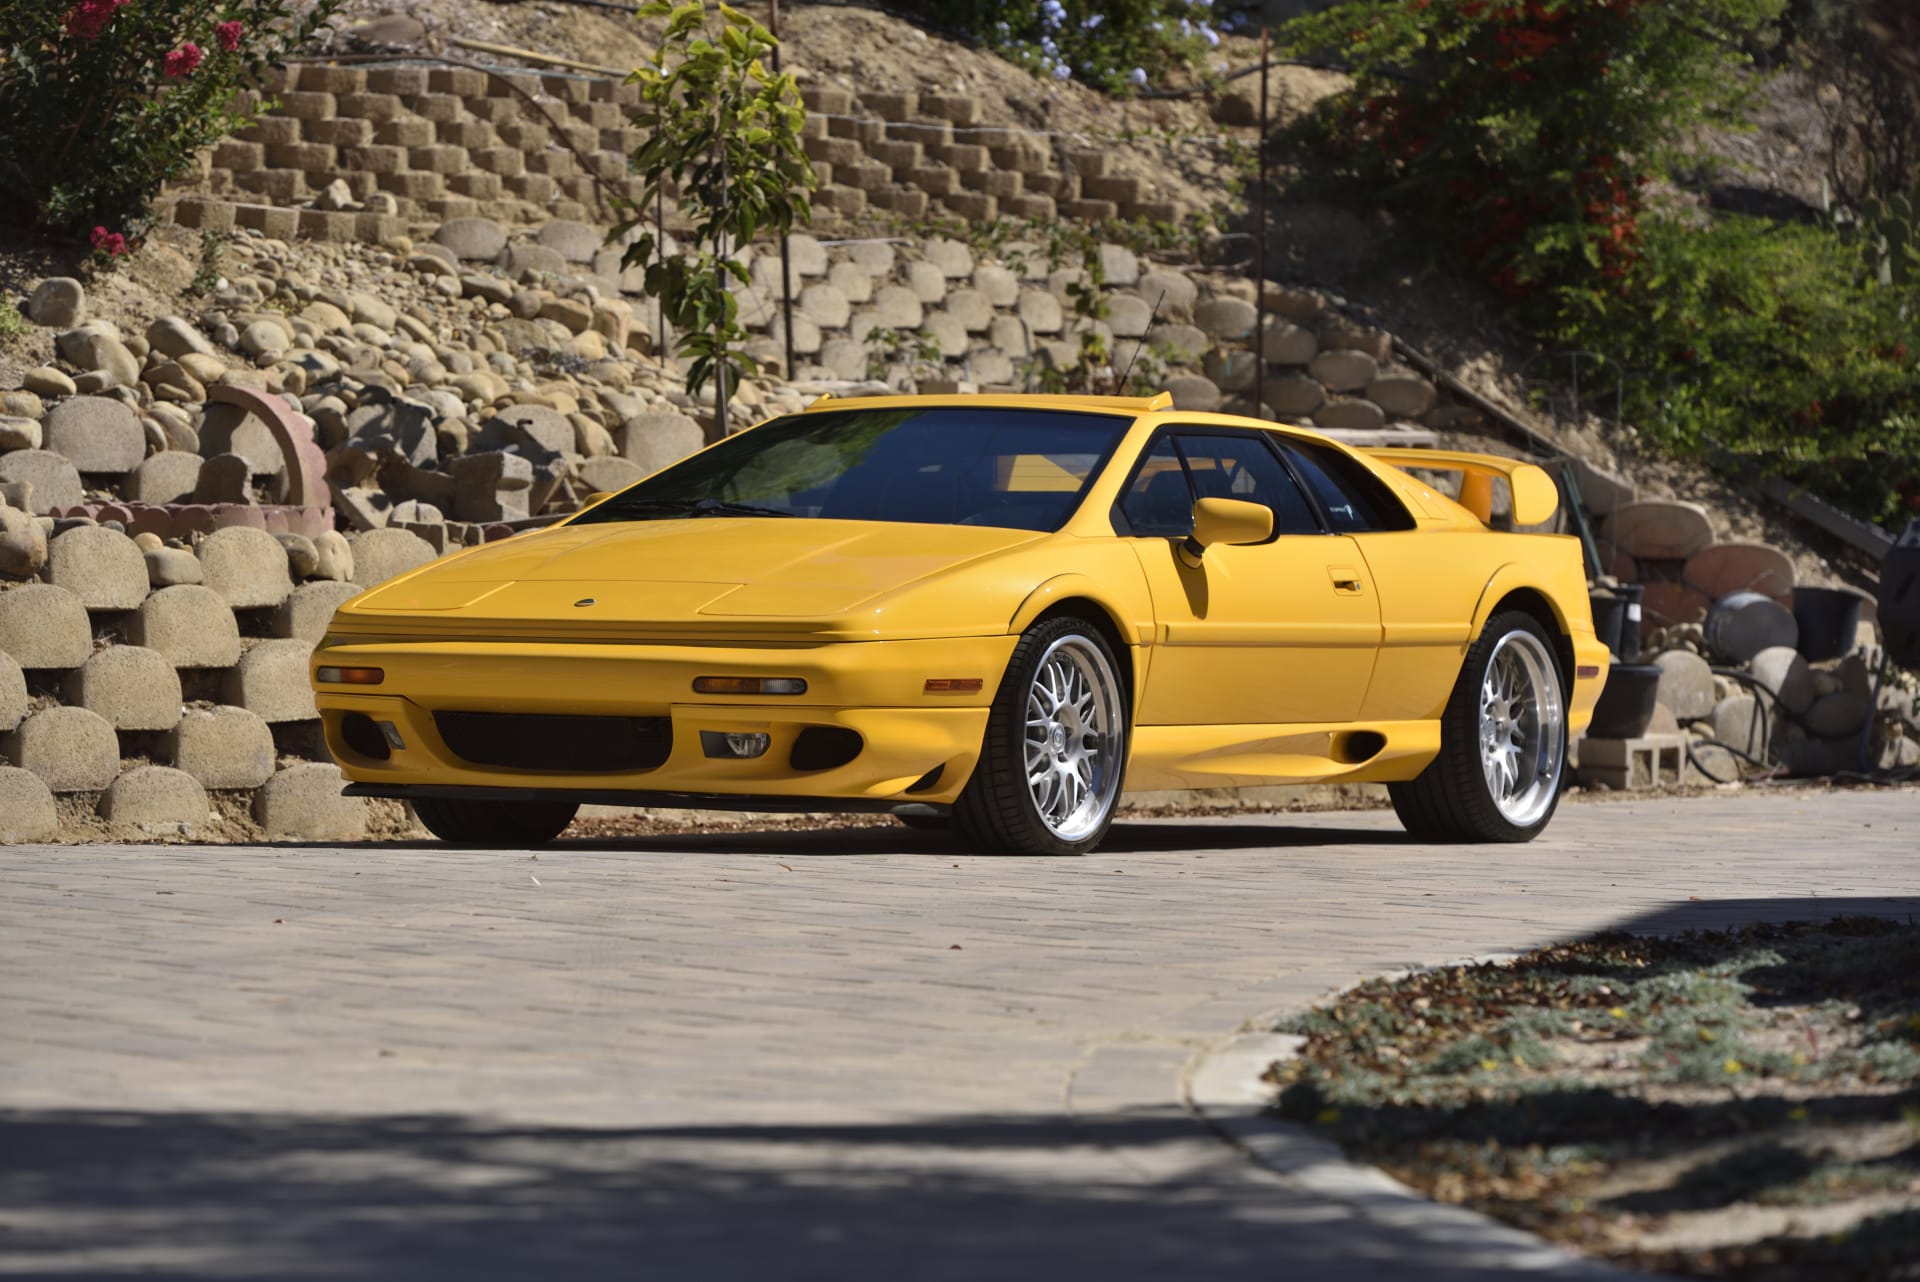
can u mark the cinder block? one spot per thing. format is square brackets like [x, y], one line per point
[437, 159]
[437, 107]
[320, 78]
[376, 106]
[271, 681]
[827, 99]
[309, 157]
[896, 154]
[309, 608]
[1090, 162]
[965, 156]
[835, 151]
[976, 206]
[998, 183]
[1031, 206]
[223, 747]
[411, 186]
[1152, 211]
[327, 225]
[960, 108]
[553, 162]
[466, 133]
[505, 162]
[565, 88]
[461, 82]
[351, 132]
[398, 80]
[1652, 761]
[527, 135]
[304, 802]
[282, 186]
[1092, 211]
[272, 131]
[892, 106]
[308, 106]
[926, 131]
[1121, 189]
[154, 801]
[231, 153]
[475, 184]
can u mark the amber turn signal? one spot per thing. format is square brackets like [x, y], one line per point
[953, 685]
[350, 676]
[749, 685]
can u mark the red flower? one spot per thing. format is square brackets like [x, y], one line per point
[90, 17]
[110, 243]
[229, 33]
[182, 61]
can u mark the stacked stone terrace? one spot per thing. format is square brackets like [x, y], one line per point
[365, 153]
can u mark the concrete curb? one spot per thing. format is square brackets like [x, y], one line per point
[1222, 1087]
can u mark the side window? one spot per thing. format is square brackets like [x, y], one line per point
[1158, 504]
[1245, 467]
[1353, 498]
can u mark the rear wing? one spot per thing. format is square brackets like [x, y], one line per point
[1535, 497]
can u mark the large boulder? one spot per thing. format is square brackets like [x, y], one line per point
[1660, 529]
[1686, 684]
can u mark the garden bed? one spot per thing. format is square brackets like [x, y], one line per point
[1739, 1104]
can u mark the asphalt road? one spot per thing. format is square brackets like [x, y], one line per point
[836, 1055]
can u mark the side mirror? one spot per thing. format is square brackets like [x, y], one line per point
[1226, 521]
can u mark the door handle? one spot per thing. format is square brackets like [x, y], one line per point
[1346, 580]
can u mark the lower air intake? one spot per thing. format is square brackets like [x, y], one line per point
[557, 744]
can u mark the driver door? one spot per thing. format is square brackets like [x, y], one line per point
[1280, 632]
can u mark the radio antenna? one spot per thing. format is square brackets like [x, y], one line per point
[1151, 318]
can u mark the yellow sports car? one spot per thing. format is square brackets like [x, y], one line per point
[990, 612]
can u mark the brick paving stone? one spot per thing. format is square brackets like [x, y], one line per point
[760, 1054]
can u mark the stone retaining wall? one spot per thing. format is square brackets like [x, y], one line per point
[365, 153]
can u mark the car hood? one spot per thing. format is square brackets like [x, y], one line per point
[685, 571]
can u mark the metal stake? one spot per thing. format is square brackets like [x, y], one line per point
[786, 265]
[1260, 252]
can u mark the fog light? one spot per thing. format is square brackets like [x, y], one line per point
[749, 685]
[730, 744]
[349, 676]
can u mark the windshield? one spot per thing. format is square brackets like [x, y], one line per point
[1019, 468]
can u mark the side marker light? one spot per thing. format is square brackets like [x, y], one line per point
[953, 685]
[749, 685]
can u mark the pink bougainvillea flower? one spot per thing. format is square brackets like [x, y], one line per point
[229, 33]
[182, 61]
[110, 243]
[90, 17]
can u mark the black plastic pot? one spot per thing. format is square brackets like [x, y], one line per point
[1616, 620]
[1828, 618]
[1625, 709]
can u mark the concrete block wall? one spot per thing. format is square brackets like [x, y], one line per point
[160, 686]
[367, 152]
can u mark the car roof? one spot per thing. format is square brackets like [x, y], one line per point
[1003, 400]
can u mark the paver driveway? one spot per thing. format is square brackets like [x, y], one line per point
[838, 1055]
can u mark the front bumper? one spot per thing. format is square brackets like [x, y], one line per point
[874, 689]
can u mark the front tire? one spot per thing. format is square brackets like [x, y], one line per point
[464, 822]
[1055, 752]
[1503, 743]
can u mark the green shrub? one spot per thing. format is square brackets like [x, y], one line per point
[1773, 342]
[103, 101]
[1524, 132]
[1118, 45]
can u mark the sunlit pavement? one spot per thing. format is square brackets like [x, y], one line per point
[843, 1054]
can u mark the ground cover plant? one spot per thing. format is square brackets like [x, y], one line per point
[1741, 1104]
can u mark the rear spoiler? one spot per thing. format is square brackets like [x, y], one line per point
[1535, 496]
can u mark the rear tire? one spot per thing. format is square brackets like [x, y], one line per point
[1055, 751]
[494, 823]
[1503, 742]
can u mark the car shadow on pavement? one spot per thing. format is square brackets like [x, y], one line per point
[1124, 839]
[91, 1196]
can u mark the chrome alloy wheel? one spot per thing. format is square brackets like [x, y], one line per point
[1074, 738]
[1523, 741]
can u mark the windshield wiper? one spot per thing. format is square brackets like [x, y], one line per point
[693, 508]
